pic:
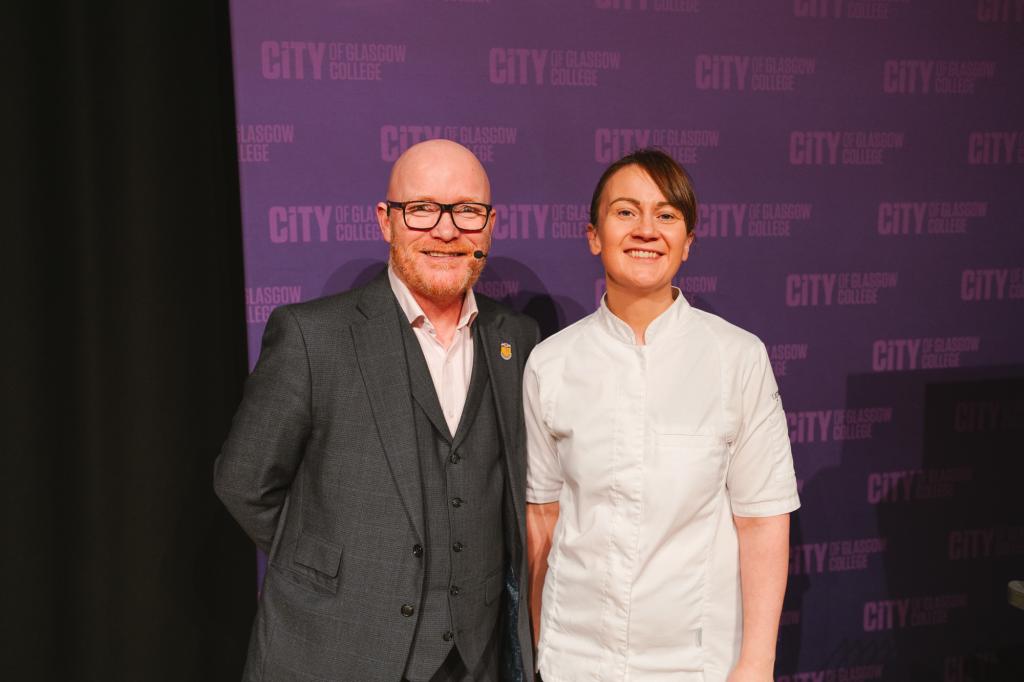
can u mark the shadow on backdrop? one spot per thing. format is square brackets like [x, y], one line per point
[940, 537]
[506, 280]
[514, 284]
[352, 274]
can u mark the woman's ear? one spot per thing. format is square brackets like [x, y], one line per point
[686, 246]
[594, 239]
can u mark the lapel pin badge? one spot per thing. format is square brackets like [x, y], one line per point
[506, 350]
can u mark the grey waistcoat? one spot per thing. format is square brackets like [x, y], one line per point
[463, 486]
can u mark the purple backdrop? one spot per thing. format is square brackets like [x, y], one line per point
[860, 165]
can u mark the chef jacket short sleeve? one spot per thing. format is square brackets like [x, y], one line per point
[543, 471]
[761, 480]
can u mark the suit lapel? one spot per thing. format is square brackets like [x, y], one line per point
[505, 387]
[380, 354]
[477, 382]
[420, 382]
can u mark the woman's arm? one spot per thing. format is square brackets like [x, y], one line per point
[540, 529]
[764, 565]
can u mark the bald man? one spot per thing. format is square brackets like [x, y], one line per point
[378, 456]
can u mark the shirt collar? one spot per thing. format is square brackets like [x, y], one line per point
[414, 313]
[660, 326]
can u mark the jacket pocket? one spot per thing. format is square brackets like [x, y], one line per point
[687, 471]
[494, 585]
[318, 562]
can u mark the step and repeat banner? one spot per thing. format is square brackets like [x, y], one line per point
[860, 170]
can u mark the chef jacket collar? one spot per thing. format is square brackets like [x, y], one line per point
[660, 326]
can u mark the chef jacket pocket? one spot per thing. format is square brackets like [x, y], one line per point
[671, 648]
[688, 467]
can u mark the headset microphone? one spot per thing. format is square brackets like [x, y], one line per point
[479, 255]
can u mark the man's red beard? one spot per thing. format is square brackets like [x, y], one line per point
[442, 288]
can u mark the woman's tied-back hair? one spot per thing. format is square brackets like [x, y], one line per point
[673, 181]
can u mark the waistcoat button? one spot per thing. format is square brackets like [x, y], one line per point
[408, 610]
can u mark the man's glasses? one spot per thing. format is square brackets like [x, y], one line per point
[425, 215]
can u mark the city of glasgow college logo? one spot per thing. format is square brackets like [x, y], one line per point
[506, 350]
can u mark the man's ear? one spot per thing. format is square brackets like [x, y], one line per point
[594, 239]
[384, 221]
[492, 220]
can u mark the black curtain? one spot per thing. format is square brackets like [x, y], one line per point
[123, 344]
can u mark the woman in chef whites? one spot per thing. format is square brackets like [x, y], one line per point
[660, 477]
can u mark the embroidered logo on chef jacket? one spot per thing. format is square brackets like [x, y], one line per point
[506, 350]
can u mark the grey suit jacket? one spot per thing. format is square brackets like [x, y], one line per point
[320, 468]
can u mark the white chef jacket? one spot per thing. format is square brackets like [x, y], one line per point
[650, 450]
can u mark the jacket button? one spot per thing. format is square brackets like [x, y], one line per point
[417, 550]
[448, 635]
[456, 502]
[457, 547]
[408, 610]
[454, 590]
[455, 458]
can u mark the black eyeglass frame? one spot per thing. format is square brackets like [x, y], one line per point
[445, 208]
